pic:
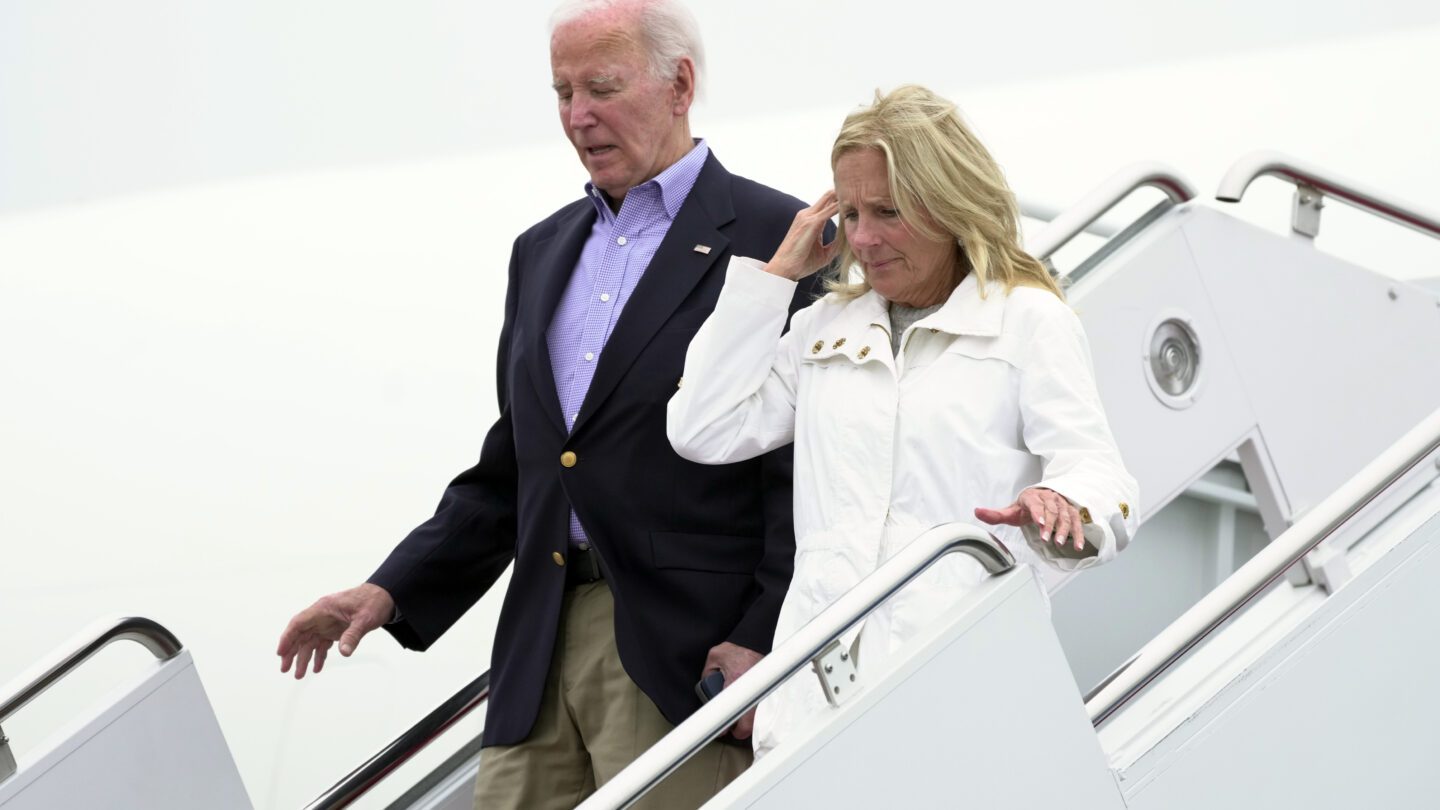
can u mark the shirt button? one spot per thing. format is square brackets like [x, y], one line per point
[589, 355]
[619, 240]
[604, 296]
[558, 558]
[568, 459]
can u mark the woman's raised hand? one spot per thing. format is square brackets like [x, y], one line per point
[804, 251]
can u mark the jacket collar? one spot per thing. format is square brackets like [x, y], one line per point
[861, 331]
[966, 313]
[866, 311]
[542, 280]
[675, 270]
[702, 220]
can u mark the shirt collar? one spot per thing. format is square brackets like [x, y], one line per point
[674, 183]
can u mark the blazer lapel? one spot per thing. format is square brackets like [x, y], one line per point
[673, 272]
[546, 275]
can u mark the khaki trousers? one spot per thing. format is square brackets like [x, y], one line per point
[593, 721]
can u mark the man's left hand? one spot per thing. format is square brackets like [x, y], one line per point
[733, 661]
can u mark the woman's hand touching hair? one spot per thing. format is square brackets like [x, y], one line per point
[803, 252]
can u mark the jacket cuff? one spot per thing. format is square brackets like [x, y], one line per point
[748, 278]
[754, 632]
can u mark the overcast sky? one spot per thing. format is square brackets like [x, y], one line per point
[99, 98]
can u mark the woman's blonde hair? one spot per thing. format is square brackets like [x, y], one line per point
[944, 183]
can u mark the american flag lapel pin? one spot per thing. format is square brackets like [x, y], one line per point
[703, 249]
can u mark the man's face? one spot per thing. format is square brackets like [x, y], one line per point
[627, 126]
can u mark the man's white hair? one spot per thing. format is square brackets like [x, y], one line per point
[668, 31]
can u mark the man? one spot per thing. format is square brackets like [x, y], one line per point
[635, 572]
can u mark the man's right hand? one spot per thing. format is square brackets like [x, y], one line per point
[344, 617]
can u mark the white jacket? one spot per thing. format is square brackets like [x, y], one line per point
[987, 396]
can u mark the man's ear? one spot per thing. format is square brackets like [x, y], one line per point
[683, 86]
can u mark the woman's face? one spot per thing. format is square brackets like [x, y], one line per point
[901, 264]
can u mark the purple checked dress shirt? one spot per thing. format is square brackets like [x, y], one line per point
[615, 256]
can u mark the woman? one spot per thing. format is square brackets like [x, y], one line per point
[945, 381]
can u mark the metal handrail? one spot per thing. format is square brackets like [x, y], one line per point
[790, 657]
[1075, 219]
[1034, 209]
[149, 634]
[356, 783]
[1266, 568]
[1315, 181]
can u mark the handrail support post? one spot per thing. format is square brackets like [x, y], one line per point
[1329, 567]
[7, 758]
[835, 668]
[1312, 186]
[1305, 210]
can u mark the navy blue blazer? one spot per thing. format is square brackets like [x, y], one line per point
[694, 554]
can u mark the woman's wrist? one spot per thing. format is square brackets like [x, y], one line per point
[779, 268]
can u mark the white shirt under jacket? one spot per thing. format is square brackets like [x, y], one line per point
[988, 396]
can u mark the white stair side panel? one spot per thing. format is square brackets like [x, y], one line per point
[1340, 714]
[984, 714]
[156, 747]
